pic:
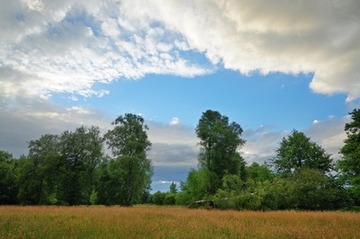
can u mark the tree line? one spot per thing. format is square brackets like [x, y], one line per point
[72, 169]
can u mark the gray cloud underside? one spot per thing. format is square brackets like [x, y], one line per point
[172, 146]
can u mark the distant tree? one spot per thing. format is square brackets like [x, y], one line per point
[129, 144]
[173, 188]
[219, 141]
[5, 156]
[259, 172]
[170, 199]
[297, 151]
[159, 198]
[350, 163]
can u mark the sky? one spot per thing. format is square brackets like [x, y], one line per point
[270, 65]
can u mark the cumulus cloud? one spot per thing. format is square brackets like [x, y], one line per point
[69, 46]
[174, 121]
[321, 36]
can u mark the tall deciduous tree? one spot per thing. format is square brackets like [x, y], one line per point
[81, 152]
[297, 151]
[129, 144]
[219, 141]
[39, 173]
[350, 164]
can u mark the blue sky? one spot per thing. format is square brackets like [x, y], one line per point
[279, 100]
[269, 66]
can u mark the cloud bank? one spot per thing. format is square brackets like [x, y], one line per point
[69, 46]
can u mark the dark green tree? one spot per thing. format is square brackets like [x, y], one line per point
[39, 172]
[81, 153]
[109, 184]
[297, 151]
[350, 163]
[315, 191]
[8, 186]
[129, 144]
[219, 141]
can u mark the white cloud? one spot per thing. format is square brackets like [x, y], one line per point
[316, 121]
[36, 5]
[318, 36]
[174, 121]
[68, 46]
[79, 110]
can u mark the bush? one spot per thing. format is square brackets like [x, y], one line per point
[159, 198]
[170, 199]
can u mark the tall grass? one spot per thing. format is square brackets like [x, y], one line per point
[172, 222]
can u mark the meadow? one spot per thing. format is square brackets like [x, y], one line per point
[171, 222]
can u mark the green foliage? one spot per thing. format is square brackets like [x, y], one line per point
[61, 169]
[8, 187]
[316, 191]
[81, 153]
[39, 178]
[194, 188]
[350, 164]
[159, 198]
[259, 172]
[297, 151]
[131, 169]
[107, 187]
[279, 194]
[173, 188]
[219, 141]
[70, 169]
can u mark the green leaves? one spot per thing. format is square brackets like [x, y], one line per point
[350, 164]
[219, 142]
[129, 143]
[297, 151]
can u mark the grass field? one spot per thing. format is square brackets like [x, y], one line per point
[172, 222]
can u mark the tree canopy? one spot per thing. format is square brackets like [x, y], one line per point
[297, 151]
[350, 163]
[131, 169]
[219, 141]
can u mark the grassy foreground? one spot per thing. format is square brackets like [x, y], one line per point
[172, 222]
